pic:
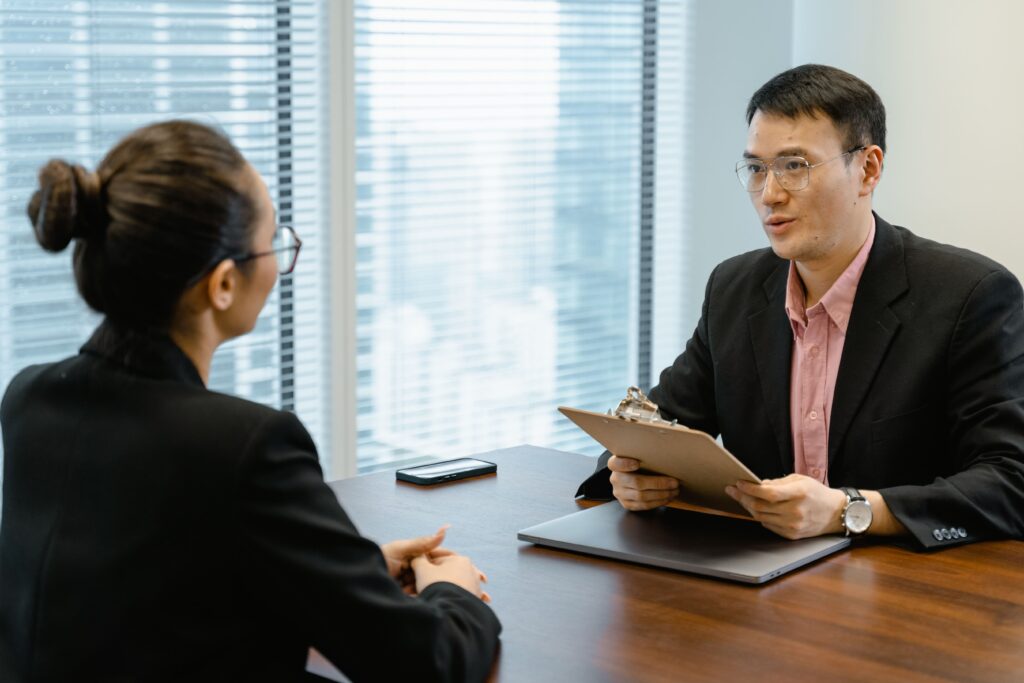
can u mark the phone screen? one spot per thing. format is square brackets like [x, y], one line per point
[442, 468]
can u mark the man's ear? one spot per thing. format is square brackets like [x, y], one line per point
[872, 169]
[222, 284]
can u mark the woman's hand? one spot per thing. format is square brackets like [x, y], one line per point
[457, 569]
[399, 555]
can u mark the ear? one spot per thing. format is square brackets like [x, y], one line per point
[222, 285]
[872, 170]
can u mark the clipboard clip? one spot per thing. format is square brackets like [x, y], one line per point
[636, 407]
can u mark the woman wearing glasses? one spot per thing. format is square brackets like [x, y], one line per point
[155, 530]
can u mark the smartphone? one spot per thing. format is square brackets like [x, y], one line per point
[447, 470]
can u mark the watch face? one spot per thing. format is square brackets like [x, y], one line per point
[858, 517]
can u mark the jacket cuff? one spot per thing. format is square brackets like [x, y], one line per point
[597, 486]
[928, 530]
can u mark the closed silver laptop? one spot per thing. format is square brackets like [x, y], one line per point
[683, 540]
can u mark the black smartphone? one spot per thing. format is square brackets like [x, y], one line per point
[447, 470]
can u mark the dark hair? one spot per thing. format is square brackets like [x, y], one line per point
[164, 206]
[854, 107]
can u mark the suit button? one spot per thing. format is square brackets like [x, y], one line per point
[963, 532]
[946, 535]
[954, 533]
[937, 534]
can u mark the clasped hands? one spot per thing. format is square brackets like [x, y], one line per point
[418, 562]
[794, 506]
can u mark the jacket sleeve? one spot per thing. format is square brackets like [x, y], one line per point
[984, 493]
[685, 392]
[305, 560]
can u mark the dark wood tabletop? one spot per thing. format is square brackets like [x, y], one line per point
[876, 612]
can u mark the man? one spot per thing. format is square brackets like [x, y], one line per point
[852, 353]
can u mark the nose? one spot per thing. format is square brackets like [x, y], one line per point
[773, 192]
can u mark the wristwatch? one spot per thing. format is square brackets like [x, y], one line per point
[856, 517]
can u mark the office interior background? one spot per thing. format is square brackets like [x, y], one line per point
[506, 205]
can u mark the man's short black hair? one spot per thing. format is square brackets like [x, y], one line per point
[854, 107]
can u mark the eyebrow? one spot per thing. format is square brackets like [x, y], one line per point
[788, 152]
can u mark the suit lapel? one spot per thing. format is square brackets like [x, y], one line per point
[771, 337]
[870, 331]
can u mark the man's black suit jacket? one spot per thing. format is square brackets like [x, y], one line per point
[929, 400]
[155, 530]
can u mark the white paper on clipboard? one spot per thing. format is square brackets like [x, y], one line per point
[702, 466]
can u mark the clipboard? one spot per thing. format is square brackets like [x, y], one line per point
[702, 466]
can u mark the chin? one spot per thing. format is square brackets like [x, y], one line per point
[781, 249]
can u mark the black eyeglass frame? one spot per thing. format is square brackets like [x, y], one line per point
[770, 164]
[295, 249]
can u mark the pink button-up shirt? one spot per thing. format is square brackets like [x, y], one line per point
[818, 337]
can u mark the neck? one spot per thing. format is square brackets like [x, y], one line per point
[818, 275]
[198, 347]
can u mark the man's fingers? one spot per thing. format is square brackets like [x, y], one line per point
[644, 482]
[642, 500]
[620, 464]
[758, 507]
[774, 492]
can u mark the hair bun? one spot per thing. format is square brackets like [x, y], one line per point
[67, 205]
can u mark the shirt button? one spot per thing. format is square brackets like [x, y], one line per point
[814, 415]
[816, 472]
[813, 351]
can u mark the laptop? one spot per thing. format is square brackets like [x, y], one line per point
[683, 540]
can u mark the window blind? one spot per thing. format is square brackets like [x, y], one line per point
[505, 159]
[76, 76]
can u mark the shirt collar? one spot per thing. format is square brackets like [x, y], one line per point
[150, 354]
[837, 302]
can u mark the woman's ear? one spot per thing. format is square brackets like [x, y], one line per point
[222, 284]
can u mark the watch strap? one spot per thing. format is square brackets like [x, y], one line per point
[852, 494]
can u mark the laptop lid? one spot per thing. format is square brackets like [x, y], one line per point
[683, 540]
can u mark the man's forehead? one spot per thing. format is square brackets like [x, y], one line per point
[801, 135]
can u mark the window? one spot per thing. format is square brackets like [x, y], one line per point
[506, 193]
[515, 163]
[76, 76]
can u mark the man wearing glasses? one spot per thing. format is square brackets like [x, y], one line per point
[873, 378]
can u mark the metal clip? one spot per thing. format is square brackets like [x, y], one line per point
[638, 408]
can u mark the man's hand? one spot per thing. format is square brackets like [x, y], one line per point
[639, 491]
[795, 506]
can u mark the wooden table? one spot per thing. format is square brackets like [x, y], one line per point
[872, 613]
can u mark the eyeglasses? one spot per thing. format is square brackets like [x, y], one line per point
[793, 173]
[285, 247]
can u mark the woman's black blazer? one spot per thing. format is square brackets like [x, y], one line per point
[155, 530]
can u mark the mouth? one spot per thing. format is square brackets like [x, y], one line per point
[776, 225]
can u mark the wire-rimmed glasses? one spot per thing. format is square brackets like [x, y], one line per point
[792, 172]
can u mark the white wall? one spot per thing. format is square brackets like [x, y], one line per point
[951, 75]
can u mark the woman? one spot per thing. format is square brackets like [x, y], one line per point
[155, 530]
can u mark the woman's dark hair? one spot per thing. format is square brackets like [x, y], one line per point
[811, 89]
[162, 208]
